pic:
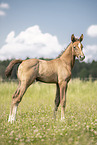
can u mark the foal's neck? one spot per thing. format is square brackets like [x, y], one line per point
[67, 57]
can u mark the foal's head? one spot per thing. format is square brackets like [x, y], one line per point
[77, 47]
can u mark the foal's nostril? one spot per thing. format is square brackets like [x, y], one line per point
[81, 57]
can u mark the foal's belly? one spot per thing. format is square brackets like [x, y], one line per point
[48, 79]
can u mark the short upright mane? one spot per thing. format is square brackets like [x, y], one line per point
[62, 51]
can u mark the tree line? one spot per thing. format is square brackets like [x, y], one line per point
[81, 70]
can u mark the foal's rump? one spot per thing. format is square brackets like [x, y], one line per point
[28, 70]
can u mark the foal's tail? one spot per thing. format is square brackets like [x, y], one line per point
[9, 68]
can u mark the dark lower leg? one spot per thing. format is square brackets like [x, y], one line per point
[57, 100]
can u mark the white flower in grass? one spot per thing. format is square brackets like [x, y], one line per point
[36, 130]
[95, 132]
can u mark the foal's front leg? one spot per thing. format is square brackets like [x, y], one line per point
[57, 100]
[63, 89]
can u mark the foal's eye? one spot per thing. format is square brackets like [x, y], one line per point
[74, 47]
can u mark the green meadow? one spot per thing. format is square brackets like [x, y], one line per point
[35, 124]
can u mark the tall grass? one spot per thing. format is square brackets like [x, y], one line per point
[35, 124]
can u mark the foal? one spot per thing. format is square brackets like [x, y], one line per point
[56, 71]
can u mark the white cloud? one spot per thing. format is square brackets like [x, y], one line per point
[2, 13]
[92, 31]
[4, 6]
[30, 43]
[90, 52]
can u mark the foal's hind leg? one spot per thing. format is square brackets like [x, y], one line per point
[57, 99]
[16, 92]
[15, 108]
[16, 99]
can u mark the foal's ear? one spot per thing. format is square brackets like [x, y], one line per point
[81, 38]
[72, 38]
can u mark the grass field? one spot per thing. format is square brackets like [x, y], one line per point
[35, 124]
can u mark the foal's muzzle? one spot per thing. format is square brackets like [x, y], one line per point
[81, 57]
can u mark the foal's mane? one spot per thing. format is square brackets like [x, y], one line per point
[63, 51]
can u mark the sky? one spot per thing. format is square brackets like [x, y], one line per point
[43, 28]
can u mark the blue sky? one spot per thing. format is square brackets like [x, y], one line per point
[36, 28]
